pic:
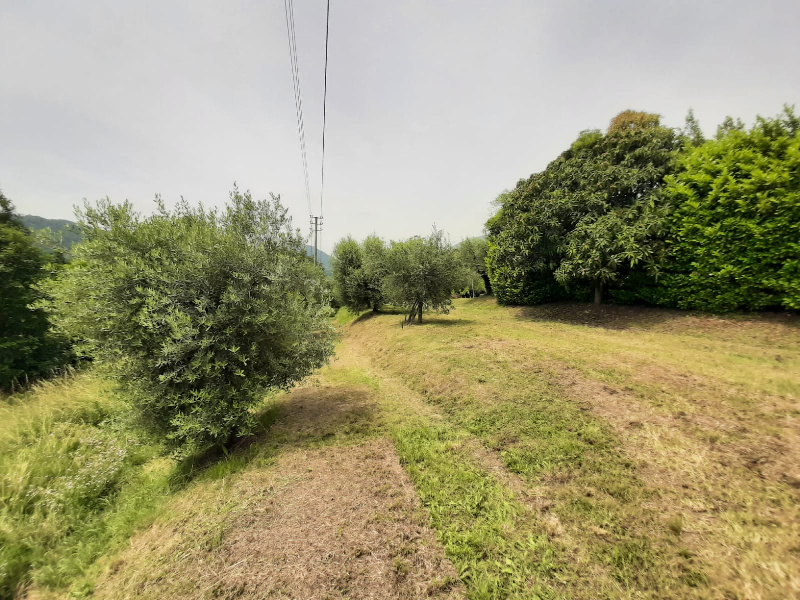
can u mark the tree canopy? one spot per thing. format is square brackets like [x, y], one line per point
[472, 253]
[358, 271]
[589, 219]
[422, 274]
[27, 347]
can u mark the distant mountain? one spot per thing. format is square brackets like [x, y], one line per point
[323, 258]
[70, 237]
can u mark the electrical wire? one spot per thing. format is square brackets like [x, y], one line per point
[288, 6]
[324, 105]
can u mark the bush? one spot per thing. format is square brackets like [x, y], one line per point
[27, 348]
[735, 232]
[198, 313]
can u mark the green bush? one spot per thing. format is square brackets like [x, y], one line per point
[587, 222]
[198, 313]
[27, 348]
[735, 232]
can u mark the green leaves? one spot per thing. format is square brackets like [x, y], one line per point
[591, 217]
[734, 234]
[27, 348]
[198, 313]
[422, 274]
[358, 273]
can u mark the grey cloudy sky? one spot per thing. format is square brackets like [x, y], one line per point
[433, 107]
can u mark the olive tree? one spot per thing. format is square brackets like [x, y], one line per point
[472, 252]
[358, 272]
[422, 274]
[197, 313]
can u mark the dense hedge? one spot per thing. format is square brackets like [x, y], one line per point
[647, 214]
[735, 233]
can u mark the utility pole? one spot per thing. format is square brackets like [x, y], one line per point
[316, 223]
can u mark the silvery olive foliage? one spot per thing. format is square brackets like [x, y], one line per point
[198, 313]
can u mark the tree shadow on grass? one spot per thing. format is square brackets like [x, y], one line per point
[606, 316]
[385, 310]
[445, 322]
[624, 317]
[303, 418]
[365, 317]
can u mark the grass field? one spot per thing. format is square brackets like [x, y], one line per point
[563, 451]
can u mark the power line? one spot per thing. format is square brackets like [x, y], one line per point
[315, 220]
[325, 104]
[288, 6]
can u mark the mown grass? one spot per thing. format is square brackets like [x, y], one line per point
[624, 431]
[557, 455]
[499, 547]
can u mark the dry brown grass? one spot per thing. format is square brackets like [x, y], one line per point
[326, 519]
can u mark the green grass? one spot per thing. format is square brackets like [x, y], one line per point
[499, 548]
[577, 411]
[555, 455]
[74, 482]
[345, 316]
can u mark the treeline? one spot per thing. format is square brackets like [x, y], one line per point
[28, 346]
[418, 274]
[645, 213]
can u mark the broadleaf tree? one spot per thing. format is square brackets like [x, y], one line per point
[591, 218]
[28, 348]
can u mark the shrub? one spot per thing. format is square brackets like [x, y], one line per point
[735, 232]
[198, 313]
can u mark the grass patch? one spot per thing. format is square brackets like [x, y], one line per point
[73, 481]
[639, 432]
[76, 483]
[344, 316]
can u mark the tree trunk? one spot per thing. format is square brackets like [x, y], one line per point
[487, 284]
[419, 314]
[598, 293]
[412, 313]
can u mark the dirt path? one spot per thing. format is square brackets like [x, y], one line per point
[333, 516]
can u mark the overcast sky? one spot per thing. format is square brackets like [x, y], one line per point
[434, 108]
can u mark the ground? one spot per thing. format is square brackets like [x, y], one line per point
[564, 451]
